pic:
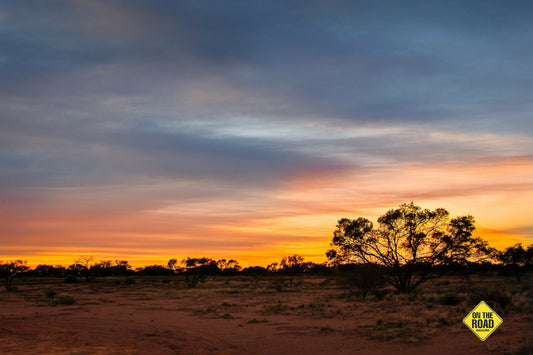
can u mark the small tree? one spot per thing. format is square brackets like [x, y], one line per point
[292, 266]
[516, 258]
[121, 267]
[173, 265]
[272, 267]
[154, 270]
[84, 263]
[410, 242]
[44, 270]
[228, 267]
[196, 269]
[11, 269]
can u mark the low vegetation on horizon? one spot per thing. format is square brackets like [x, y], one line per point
[409, 246]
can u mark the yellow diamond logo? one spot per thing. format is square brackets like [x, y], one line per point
[482, 320]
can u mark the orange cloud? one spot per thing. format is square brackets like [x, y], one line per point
[261, 227]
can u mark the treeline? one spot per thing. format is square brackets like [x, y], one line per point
[193, 270]
[86, 268]
[513, 261]
[408, 246]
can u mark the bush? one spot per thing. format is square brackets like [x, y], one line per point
[55, 298]
[256, 321]
[50, 293]
[129, 281]
[363, 279]
[494, 296]
[64, 299]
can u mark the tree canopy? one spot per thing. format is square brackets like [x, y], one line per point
[409, 241]
[516, 258]
[11, 269]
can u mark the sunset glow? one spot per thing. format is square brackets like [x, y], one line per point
[148, 131]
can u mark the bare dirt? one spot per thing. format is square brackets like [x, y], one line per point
[236, 315]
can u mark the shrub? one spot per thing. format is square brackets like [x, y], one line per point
[255, 321]
[363, 279]
[494, 296]
[50, 293]
[64, 299]
[55, 298]
[277, 309]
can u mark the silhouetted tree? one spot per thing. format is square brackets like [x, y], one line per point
[154, 270]
[317, 269]
[110, 268]
[11, 269]
[228, 267]
[272, 267]
[74, 270]
[196, 269]
[516, 258]
[85, 262]
[254, 270]
[49, 270]
[410, 242]
[121, 267]
[292, 266]
[173, 265]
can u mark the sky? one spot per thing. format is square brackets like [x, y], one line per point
[145, 130]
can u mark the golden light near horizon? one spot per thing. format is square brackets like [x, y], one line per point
[301, 216]
[247, 132]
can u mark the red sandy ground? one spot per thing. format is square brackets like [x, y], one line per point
[230, 317]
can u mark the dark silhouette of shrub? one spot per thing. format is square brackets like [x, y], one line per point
[496, 297]
[293, 266]
[54, 298]
[516, 259]
[49, 271]
[110, 268]
[10, 270]
[84, 266]
[228, 267]
[196, 269]
[63, 299]
[50, 293]
[155, 270]
[362, 279]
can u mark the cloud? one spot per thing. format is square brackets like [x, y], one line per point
[254, 113]
[444, 62]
